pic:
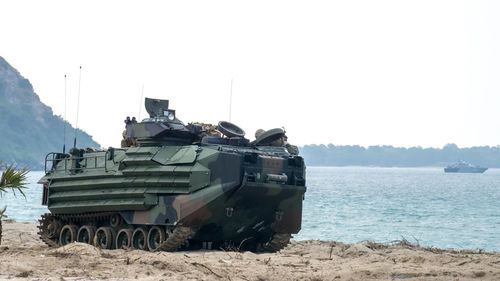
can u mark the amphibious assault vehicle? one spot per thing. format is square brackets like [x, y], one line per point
[174, 186]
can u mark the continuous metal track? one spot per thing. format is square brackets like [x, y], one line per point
[278, 242]
[43, 231]
[49, 225]
[176, 239]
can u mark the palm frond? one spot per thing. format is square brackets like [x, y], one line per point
[2, 212]
[14, 179]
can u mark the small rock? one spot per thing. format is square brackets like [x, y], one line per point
[479, 274]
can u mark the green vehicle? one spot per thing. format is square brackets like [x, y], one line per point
[176, 187]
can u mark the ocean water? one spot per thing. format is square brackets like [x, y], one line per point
[421, 205]
[352, 204]
[26, 209]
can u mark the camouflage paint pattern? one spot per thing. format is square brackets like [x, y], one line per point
[224, 192]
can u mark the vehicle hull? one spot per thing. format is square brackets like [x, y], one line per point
[223, 195]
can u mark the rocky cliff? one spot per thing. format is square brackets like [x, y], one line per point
[28, 128]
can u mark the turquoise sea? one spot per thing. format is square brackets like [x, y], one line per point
[352, 204]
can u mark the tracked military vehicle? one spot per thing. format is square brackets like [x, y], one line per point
[176, 187]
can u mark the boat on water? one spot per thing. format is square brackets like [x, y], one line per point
[464, 167]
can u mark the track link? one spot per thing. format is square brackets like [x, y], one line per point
[278, 242]
[176, 239]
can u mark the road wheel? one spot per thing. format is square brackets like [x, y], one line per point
[86, 234]
[139, 239]
[68, 234]
[115, 220]
[124, 238]
[156, 236]
[104, 237]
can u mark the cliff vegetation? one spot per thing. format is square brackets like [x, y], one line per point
[28, 128]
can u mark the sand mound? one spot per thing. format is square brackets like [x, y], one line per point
[76, 249]
[24, 257]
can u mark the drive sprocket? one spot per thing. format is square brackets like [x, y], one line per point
[48, 229]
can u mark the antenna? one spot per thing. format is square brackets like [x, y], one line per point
[78, 105]
[140, 104]
[64, 132]
[230, 99]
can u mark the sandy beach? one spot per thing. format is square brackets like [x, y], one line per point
[25, 257]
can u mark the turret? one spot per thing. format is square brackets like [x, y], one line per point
[161, 128]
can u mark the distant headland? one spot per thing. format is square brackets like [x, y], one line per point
[389, 156]
[29, 129]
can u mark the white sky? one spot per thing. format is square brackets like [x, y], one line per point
[401, 73]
